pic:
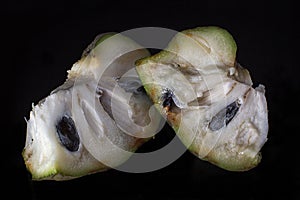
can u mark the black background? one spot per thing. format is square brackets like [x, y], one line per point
[41, 41]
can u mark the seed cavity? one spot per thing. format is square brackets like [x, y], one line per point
[67, 133]
[224, 117]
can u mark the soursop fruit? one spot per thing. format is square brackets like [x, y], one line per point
[207, 97]
[74, 131]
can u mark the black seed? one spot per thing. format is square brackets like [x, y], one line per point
[231, 111]
[67, 133]
[140, 90]
[224, 117]
[167, 99]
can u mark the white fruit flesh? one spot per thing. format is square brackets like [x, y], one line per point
[44, 155]
[200, 70]
[102, 143]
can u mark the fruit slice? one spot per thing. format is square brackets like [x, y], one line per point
[206, 96]
[73, 132]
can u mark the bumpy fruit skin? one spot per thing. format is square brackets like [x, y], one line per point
[199, 68]
[45, 156]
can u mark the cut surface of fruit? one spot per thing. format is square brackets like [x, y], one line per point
[73, 131]
[207, 97]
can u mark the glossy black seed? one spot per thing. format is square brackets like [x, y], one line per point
[224, 117]
[231, 111]
[167, 99]
[140, 90]
[67, 133]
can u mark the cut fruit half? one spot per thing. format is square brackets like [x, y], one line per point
[75, 131]
[206, 96]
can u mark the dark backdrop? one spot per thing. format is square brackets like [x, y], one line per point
[41, 41]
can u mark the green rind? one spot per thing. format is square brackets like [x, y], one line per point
[50, 173]
[226, 46]
[99, 39]
[220, 40]
[104, 37]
